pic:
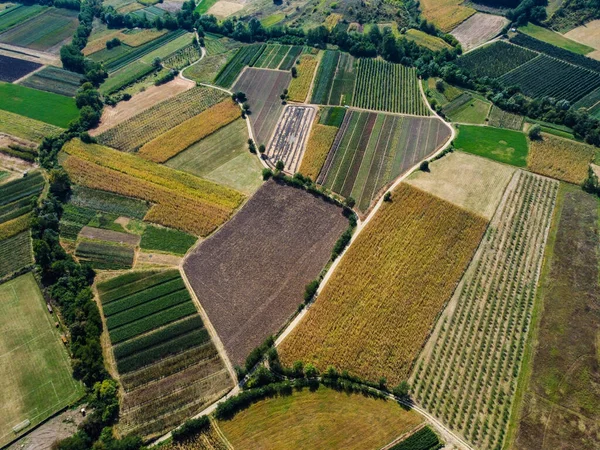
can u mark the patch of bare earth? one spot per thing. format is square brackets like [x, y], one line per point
[156, 259]
[588, 34]
[478, 29]
[113, 116]
[225, 9]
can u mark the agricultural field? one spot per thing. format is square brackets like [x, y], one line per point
[169, 367]
[478, 29]
[506, 146]
[444, 95]
[12, 69]
[103, 255]
[44, 32]
[589, 35]
[136, 131]
[289, 139]
[446, 14]
[262, 307]
[245, 56]
[15, 251]
[423, 39]
[17, 197]
[300, 85]
[478, 189]
[324, 77]
[194, 129]
[371, 150]
[495, 60]
[13, 16]
[560, 158]
[467, 109]
[183, 57]
[273, 56]
[554, 38]
[467, 372]
[368, 326]
[223, 157]
[179, 200]
[384, 86]
[499, 118]
[26, 128]
[324, 418]
[53, 109]
[560, 402]
[53, 79]
[166, 240]
[35, 369]
[263, 88]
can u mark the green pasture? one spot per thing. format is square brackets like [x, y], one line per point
[506, 146]
[554, 38]
[13, 16]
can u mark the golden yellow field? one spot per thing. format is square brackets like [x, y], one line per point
[318, 145]
[15, 226]
[381, 302]
[180, 200]
[332, 20]
[300, 85]
[131, 39]
[446, 14]
[189, 132]
[560, 158]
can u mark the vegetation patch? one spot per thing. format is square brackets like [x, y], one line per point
[499, 118]
[15, 251]
[245, 56]
[424, 439]
[300, 84]
[53, 79]
[506, 146]
[360, 321]
[554, 38]
[467, 109]
[446, 14]
[423, 39]
[166, 240]
[26, 128]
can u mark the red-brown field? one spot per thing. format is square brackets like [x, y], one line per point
[263, 88]
[250, 276]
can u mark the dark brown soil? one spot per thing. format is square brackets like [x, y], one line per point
[251, 275]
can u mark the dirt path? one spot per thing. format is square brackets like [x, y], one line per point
[30, 55]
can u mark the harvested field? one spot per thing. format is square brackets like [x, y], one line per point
[44, 32]
[156, 260]
[53, 79]
[288, 142]
[467, 373]
[317, 148]
[588, 34]
[11, 69]
[560, 399]
[478, 189]
[372, 149]
[360, 321]
[152, 322]
[35, 369]
[110, 236]
[180, 200]
[114, 115]
[237, 292]
[15, 252]
[321, 419]
[300, 85]
[446, 14]
[223, 157]
[504, 119]
[560, 158]
[506, 146]
[478, 29]
[263, 88]
[177, 139]
[151, 123]
[223, 9]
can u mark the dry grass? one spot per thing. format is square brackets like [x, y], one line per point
[15, 226]
[332, 20]
[446, 14]
[180, 200]
[131, 39]
[560, 158]
[192, 130]
[380, 304]
[317, 148]
[321, 419]
[300, 85]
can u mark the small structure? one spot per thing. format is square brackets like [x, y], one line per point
[49, 306]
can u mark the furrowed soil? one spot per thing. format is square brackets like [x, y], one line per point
[250, 276]
[478, 29]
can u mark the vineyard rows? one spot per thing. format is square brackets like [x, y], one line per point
[503, 119]
[273, 56]
[183, 57]
[384, 86]
[495, 60]
[590, 100]
[468, 371]
[324, 78]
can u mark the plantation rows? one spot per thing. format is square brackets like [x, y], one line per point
[424, 439]
[495, 60]
[468, 379]
[590, 100]
[545, 76]
[183, 57]
[105, 256]
[15, 253]
[245, 56]
[107, 202]
[17, 197]
[291, 58]
[384, 86]
[74, 218]
[272, 56]
[324, 78]
[503, 119]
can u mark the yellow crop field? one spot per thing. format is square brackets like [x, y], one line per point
[332, 20]
[15, 226]
[300, 85]
[381, 302]
[180, 200]
[318, 145]
[446, 14]
[131, 39]
[191, 131]
[560, 158]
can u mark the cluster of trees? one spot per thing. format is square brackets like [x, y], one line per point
[528, 11]
[190, 429]
[67, 4]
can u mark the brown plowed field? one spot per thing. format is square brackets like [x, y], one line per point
[478, 29]
[250, 276]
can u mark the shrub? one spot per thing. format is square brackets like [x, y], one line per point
[424, 166]
[311, 290]
[387, 197]
[190, 429]
[535, 132]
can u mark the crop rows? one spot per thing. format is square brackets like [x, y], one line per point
[495, 60]
[17, 197]
[290, 59]
[383, 86]
[245, 56]
[424, 439]
[271, 57]
[545, 76]
[107, 202]
[151, 123]
[157, 289]
[468, 376]
[324, 78]
[344, 80]
[53, 79]
[503, 119]
[590, 100]
[131, 283]
[183, 57]
[105, 256]
[15, 253]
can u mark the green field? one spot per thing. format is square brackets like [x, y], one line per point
[15, 253]
[223, 157]
[470, 110]
[204, 6]
[47, 107]
[14, 16]
[26, 128]
[53, 79]
[551, 37]
[35, 368]
[166, 240]
[505, 146]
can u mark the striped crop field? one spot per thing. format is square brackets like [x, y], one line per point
[274, 56]
[468, 371]
[383, 86]
[245, 56]
[372, 149]
[169, 367]
[324, 77]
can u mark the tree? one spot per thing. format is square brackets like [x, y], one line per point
[401, 391]
[279, 165]
[266, 174]
[294, 72]
[440, 86]
[424, 166]
[60, 184]
[535, 133]
[156, 63]
[350, 202]
[261, 149]
[387, 197]
[310, 290]
[246, 107]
